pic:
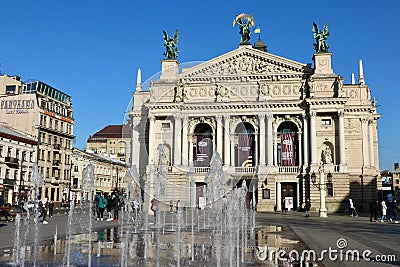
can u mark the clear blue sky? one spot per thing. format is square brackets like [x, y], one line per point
[92, 49]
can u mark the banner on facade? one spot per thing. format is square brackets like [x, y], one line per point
[245, 150]
[287, 150]
[203, 151]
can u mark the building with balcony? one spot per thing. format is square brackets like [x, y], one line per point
[17, 155]
[274, 121]
[109, 173]
[45, 114]
[112, 141]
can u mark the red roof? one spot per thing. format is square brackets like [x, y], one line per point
[110, 131]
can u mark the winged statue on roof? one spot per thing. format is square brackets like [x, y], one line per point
[245, 22]
[171, 45]
[320, 37]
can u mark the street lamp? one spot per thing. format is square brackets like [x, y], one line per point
[20, 177]
[322, 210]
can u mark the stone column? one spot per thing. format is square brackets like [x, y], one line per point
[275, 137]
[300, 149]
[191, 150]
[218, 119]
[185, 152]
[371, 143]
[227, 155]
[342, 145]
[305, 140]
[135, 143]
[177, 140]
[256, 152]
[262, 150]
[270, 148]
[232, 150]
[151, 140]
[313, 137]
[278, 197]
[365, 142]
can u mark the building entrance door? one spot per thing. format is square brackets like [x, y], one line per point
[289, 196]
[200, 186]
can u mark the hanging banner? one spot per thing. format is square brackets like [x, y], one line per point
[203, 151]
[287, 150]
[245, 150]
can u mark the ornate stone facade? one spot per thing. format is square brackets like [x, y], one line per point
[260, 98]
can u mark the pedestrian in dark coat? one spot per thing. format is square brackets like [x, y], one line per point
[307, 207]
[373, 210]
[51, 208]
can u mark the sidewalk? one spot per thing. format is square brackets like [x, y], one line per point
[341, 233]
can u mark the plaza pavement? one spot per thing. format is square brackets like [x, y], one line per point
[316, 233]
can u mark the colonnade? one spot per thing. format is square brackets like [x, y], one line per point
[266, 151]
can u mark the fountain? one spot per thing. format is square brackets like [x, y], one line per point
[222, 234]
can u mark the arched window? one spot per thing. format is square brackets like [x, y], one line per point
[245, 145]
[288, 143]
[204, 145]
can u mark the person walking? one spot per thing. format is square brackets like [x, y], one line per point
[109, 208]
[394, 208]
[154, 204]
[352, 209]
[178, 205]
[373, 211]
[51, 208]
[171, 206]
[44, 211]
[307, 207]
[384, 208]
[102, 205]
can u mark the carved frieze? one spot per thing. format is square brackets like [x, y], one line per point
[352, 126]
[280, 89]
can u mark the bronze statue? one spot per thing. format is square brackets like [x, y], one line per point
[245, 27]
[320, 37]
[171, 46]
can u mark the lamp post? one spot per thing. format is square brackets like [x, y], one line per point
[322, 210]
[20, 177]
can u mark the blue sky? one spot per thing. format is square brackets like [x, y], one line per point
[92, 49]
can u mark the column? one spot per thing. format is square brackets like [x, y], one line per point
[365, 151]
[371, 143]
[275, 137]
[305, 139]
[300, 150]
[278, 197]
[232, 150]
[191, 150]
[322, 208]
[256, 152]
[185, 151]
[262, 150]
[342, 145]
[218, 119]
[270, 148]
[135, 143]
[227, 154]
[177, 140]
[151, 140]
[313, 137]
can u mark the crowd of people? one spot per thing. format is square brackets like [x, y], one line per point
[384, 212]
[112, 203]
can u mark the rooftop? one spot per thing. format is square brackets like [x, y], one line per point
[111, 132]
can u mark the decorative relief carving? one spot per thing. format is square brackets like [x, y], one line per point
[280, 89]
[353, 94]
[352, 126]
[194, 121]
[321, 87]
[246, 64]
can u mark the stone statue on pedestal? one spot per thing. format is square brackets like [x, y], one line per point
[320, 37]
[171, 46]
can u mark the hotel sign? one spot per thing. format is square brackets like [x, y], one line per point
[17, 106]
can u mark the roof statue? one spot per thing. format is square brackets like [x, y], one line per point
[246, 22]
[320, 37]
[171, 45]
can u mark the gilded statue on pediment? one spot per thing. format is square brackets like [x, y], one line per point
[245, 22]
